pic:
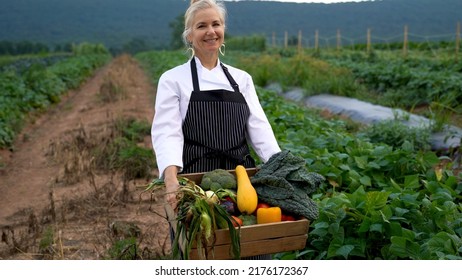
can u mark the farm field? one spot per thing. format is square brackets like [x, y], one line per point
[383, 199]
[55, 203]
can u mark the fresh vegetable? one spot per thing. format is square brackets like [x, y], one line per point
[248, 220]
[206, 225]
[212, 197]
[268, 215]
[247, 198]
[263, 205]
[287, 217]
[221, 222]
[198, 219]
[218, 179]
[285, 181]
[228, 206]
[226, 194]
[237, 222]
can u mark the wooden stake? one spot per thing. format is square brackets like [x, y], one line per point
[457, 41]
[274, 40]
[300, 41]
[286, 40]
[339, 40]
[405, 44]
[368, 48]
[316, 40]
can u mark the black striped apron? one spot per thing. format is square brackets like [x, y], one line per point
[214, 128]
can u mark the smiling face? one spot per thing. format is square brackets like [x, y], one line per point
[207, 33]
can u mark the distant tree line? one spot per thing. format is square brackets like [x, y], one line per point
[28, 47]
[146, 22]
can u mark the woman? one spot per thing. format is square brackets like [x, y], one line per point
[207, 113]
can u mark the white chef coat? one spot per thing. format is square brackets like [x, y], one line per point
[172, 99]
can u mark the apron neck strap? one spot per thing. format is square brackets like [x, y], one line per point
[230, 78]
[195, 79]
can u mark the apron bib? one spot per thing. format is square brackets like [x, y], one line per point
[214, 128]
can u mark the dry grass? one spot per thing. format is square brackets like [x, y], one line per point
[87, 227]
[107, 213]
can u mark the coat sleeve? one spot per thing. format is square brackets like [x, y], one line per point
[166, 132]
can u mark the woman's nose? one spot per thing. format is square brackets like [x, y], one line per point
[210, 30]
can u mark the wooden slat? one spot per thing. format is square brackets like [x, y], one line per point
[265, 231]
[255, 248]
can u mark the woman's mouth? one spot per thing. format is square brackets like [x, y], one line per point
[211, 40]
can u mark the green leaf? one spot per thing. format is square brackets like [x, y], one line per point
[344, 251]
[441, 196]
[365, 225]
[445, 242]
[451, 182]
[344, 167]
[408, 234]
[410, 199]
[412, 182]
[404, 248]
[361, 162]
[366, 181]
[376, 200]
[400, 211]
[395, 228]
[395, 185]
[336, 244]
[430, 158]
[377, 228]
[374, 165]
[336, 230]
[319, 229]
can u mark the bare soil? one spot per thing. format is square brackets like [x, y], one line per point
[54, 204]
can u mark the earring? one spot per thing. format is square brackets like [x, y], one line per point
[190, 49]
[222, 49]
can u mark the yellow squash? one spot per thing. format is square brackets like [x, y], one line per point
[246, 196]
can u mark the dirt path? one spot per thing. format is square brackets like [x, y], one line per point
[80, 216]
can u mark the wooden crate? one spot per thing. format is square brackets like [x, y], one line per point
[256, 239]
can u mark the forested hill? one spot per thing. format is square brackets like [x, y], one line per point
[116, 22]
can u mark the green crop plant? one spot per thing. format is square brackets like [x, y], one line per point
[30, 86]
[379, 201]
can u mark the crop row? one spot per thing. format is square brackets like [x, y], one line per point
[32, 89]
[20, 64]
[406, 82]
[378, 202]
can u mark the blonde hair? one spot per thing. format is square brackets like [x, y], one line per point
[198, 5]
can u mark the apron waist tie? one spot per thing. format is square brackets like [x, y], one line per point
[223, 155]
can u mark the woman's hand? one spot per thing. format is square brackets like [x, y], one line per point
[171, 185]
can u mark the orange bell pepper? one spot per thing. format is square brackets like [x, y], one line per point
[269, 215]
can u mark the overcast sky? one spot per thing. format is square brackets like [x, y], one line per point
[319, 1]
[316, 1]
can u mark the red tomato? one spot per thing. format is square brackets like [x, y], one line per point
[285, 217]
[263, 205]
